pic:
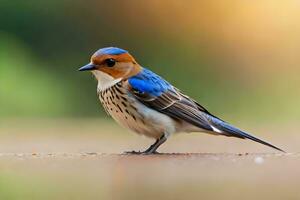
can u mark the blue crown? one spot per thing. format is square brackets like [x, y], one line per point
[111, 51]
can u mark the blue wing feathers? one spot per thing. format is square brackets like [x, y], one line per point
[149, 82]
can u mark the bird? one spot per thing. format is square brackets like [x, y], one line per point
[147, 104]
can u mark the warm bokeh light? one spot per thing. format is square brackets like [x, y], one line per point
[240, 55]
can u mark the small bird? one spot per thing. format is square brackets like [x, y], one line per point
[145, 103]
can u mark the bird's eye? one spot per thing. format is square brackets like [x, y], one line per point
[110, 62]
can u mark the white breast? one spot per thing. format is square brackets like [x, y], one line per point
[104, 80]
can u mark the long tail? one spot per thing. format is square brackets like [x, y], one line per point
[224, 128]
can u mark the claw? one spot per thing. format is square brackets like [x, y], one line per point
[149, 153]
[140, 152]
[133, 152]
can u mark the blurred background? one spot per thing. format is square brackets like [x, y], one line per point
[239, 59]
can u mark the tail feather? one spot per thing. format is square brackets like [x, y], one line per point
[229, 130]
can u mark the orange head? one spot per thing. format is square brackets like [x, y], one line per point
[112, 63]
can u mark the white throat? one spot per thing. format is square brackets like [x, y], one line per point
[104, 80]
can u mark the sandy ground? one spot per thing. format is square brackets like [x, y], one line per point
[76, 159]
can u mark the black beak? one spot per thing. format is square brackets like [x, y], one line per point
[87, 67]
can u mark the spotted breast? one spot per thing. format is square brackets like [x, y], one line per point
[127, 111]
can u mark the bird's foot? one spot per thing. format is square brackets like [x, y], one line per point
[141, 152]
[132, 152]
[149, 152]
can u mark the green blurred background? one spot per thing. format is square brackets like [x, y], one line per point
[240, 59]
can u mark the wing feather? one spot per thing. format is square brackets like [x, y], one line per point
[174, 104]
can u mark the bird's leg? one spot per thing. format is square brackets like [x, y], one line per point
[153, 147]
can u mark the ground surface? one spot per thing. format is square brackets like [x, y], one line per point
[79, 159]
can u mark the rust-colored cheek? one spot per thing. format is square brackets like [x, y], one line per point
[121, 71]
[112, 72]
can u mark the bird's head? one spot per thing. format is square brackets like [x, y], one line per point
[112, 64]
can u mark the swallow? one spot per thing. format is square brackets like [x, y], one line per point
[144, 102]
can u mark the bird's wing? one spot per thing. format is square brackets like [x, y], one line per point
[156, 93]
